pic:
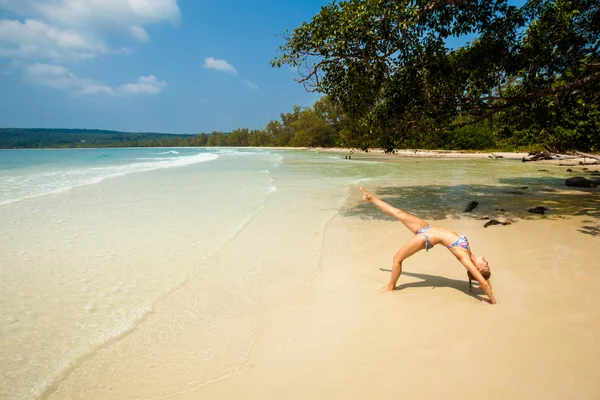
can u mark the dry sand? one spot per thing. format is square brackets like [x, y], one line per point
[431, 338]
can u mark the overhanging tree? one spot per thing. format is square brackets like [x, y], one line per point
[388, 66]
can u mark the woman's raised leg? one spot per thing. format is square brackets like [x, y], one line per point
[410, 221]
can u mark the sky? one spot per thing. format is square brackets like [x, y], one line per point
[177, 66]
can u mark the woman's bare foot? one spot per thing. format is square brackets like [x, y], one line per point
[366, 195]
[386, 288]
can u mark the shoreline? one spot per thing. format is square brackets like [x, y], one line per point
[375, 153]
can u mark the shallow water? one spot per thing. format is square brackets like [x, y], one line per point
[93, 241]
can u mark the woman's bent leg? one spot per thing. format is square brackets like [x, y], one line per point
[414, 245]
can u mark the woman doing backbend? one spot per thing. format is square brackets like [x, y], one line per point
[427, 236]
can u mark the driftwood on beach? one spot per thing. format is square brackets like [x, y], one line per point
[547, 155]
[586, 155]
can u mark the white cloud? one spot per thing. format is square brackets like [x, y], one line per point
[73, 30]
[250, 85]
[97, 13]
[57, 77]
[219, 65]
[139, 33]
[49, 32]
[36, 40]
[146, 85]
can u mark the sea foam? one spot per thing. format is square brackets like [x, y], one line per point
[17, 188]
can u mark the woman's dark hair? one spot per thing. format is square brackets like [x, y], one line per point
[486, 275]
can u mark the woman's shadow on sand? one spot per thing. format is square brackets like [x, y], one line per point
[434, 281]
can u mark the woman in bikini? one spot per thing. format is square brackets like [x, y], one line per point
[427, 236]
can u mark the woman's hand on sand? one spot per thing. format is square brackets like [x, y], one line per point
[366, 195]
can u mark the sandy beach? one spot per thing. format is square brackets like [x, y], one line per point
[431, 338]
[279, 298]
[569, 160]
[337, 336]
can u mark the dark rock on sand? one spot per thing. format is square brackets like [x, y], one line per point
[580, 181]
[538, 210]
[569, 170]
[495, 222]
[471, 206]
[484, 218]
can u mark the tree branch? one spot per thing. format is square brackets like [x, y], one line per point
[434, 5]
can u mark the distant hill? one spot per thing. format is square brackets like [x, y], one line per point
[20, 138]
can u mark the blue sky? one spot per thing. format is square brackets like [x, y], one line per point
[179, 66]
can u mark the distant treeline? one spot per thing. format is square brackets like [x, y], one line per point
[317, 126]
[321, 125]
[12, 138]
[313, 126]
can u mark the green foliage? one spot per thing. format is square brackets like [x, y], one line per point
[216, 139]
[387, 67]
[238, 137]
[312, 131]
[472, 137]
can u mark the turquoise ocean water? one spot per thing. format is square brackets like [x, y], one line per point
[91, 241]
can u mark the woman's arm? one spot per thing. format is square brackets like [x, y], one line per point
[485, 285]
